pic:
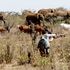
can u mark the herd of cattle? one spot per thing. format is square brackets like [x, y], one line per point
[38, 18]
[55, 12]
[35, 25]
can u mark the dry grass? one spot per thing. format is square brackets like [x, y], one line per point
[21, 43]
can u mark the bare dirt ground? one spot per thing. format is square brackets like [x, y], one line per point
[22, 67]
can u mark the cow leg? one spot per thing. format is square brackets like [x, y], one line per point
[47, 51]
[42, 53]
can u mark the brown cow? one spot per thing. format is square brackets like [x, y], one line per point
[47, 12]
[39, 29]
[27, 29]
[24, 28]
[2, 29]
[53, 12]
[61, 13]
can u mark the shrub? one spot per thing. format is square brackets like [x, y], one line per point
[1, 58]
[22, 59]
[8, 55]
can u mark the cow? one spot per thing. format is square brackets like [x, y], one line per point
[2, 18]
[44, 43]
[65, 26]
[2, 29]
[37, 29]
[28, 29]
[24, 28]
[34, 18]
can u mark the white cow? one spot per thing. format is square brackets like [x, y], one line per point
[65, 26]
[48, 38]
[44, 43]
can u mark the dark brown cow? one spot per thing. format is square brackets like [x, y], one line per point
[34, 18]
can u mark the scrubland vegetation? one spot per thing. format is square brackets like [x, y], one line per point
[17, 52]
